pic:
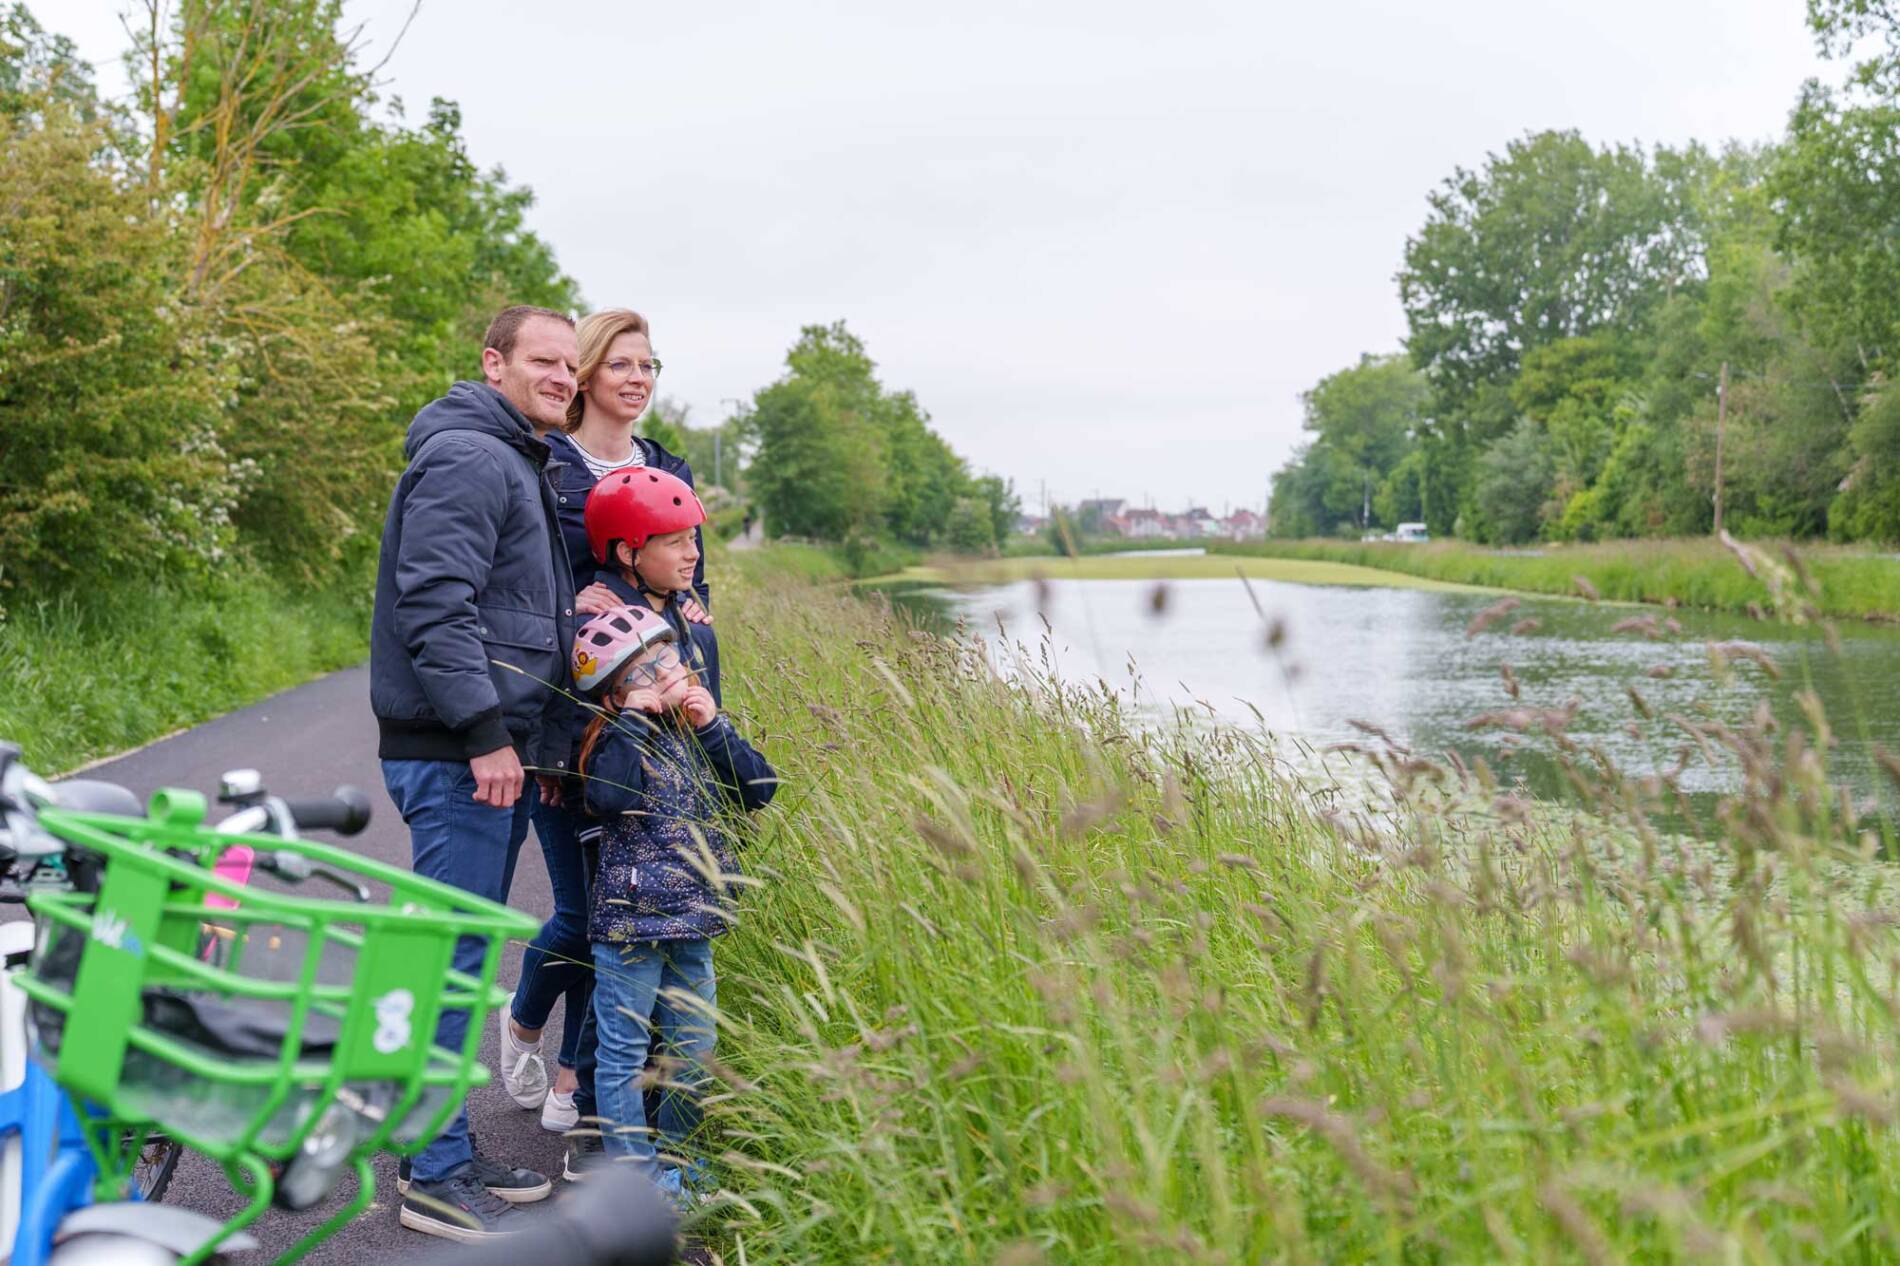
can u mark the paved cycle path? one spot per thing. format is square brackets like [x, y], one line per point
[307, 741]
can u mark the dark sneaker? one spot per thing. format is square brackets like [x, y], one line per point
[460, 1208]
[585, 1154]
[516, 1186]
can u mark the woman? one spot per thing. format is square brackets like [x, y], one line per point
[618, 374]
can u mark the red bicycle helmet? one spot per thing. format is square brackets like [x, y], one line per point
[633, 505]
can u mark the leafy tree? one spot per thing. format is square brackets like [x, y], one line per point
[970, 530]
[1513, 485]
[111, 451]
[1000, 504]
[1553, 239]
[1364, 419]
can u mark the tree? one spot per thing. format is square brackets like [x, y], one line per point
[1553, 239]
[1365, 419]
[840, 457]
[1001, 504]
[969, 530]
[1513, 485]
[111, 441]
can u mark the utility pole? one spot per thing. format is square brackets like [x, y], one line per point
[738, 408]
[1721, 425]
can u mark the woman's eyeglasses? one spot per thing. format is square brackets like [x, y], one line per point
[649, 369]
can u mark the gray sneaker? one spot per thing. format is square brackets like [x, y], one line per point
[516, 1186]
[460, 1208]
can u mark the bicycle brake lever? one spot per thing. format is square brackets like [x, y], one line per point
[296, 867]
[359, 891]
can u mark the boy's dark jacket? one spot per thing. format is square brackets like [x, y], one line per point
[473, 621]
[660, 786]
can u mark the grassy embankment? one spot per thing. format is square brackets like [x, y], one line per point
[83, 680]
[1023, 984]
[1700, 572]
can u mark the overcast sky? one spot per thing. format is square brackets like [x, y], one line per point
[1107, 245]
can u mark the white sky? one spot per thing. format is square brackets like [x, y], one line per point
[1107, 245]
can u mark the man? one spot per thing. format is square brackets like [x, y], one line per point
[469, 643]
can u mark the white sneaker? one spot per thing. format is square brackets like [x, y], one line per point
[558, 1114]
[523, 1074]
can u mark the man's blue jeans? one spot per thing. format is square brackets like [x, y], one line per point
[474, 847]
[642, 991]
[559, 961]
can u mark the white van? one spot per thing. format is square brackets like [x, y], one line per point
[1410, 533]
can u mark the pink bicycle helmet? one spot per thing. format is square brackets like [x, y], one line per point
[612, 638]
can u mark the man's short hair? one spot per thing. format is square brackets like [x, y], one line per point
[506, 327]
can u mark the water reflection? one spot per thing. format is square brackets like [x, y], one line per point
[1402, 658]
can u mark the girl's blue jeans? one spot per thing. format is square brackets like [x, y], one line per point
[560, 960]
[646, 991]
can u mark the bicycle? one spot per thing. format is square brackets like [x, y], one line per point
[145, 1021]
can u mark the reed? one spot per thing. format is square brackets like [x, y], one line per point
[1027, 983]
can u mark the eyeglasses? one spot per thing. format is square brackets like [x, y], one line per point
[649, 369]
[647, 672]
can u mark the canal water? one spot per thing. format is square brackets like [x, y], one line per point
[1307, 661]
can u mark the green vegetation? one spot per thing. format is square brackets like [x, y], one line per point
[222, 307]
[87, 675]
[1023, 983]
[1613, 342]
[1698, 573]
[841, 458]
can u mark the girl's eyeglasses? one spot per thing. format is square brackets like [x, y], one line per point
[647, 672]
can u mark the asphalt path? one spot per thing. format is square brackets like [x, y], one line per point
[308, 741]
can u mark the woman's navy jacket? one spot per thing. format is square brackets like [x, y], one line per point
[573, 481]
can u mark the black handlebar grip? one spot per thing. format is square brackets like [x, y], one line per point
[618, 1219]
[346, 812]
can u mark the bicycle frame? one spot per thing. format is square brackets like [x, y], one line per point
[46, 1170]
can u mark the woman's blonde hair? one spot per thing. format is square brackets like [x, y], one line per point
[596, 334]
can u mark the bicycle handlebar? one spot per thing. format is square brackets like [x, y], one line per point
[620, 1219]
[346, 811]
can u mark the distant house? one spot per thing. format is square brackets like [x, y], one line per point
[1196, 522]
[1030, 524]
[1140, 524]
[1243, 525]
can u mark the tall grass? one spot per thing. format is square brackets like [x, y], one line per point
[1023, 983]
[82, 679]
[1697, 572]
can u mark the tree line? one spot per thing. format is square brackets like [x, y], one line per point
[1619, 341]
[222, 300]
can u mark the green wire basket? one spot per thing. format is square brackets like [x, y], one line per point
[307, 1002]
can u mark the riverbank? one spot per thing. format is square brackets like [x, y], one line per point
[1698, 573]
[1022, 982]
[1160, 567]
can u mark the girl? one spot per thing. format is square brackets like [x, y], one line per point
[658, 765]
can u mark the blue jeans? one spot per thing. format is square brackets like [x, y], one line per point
[474, 847]
[631, 1007]
[560, 961]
